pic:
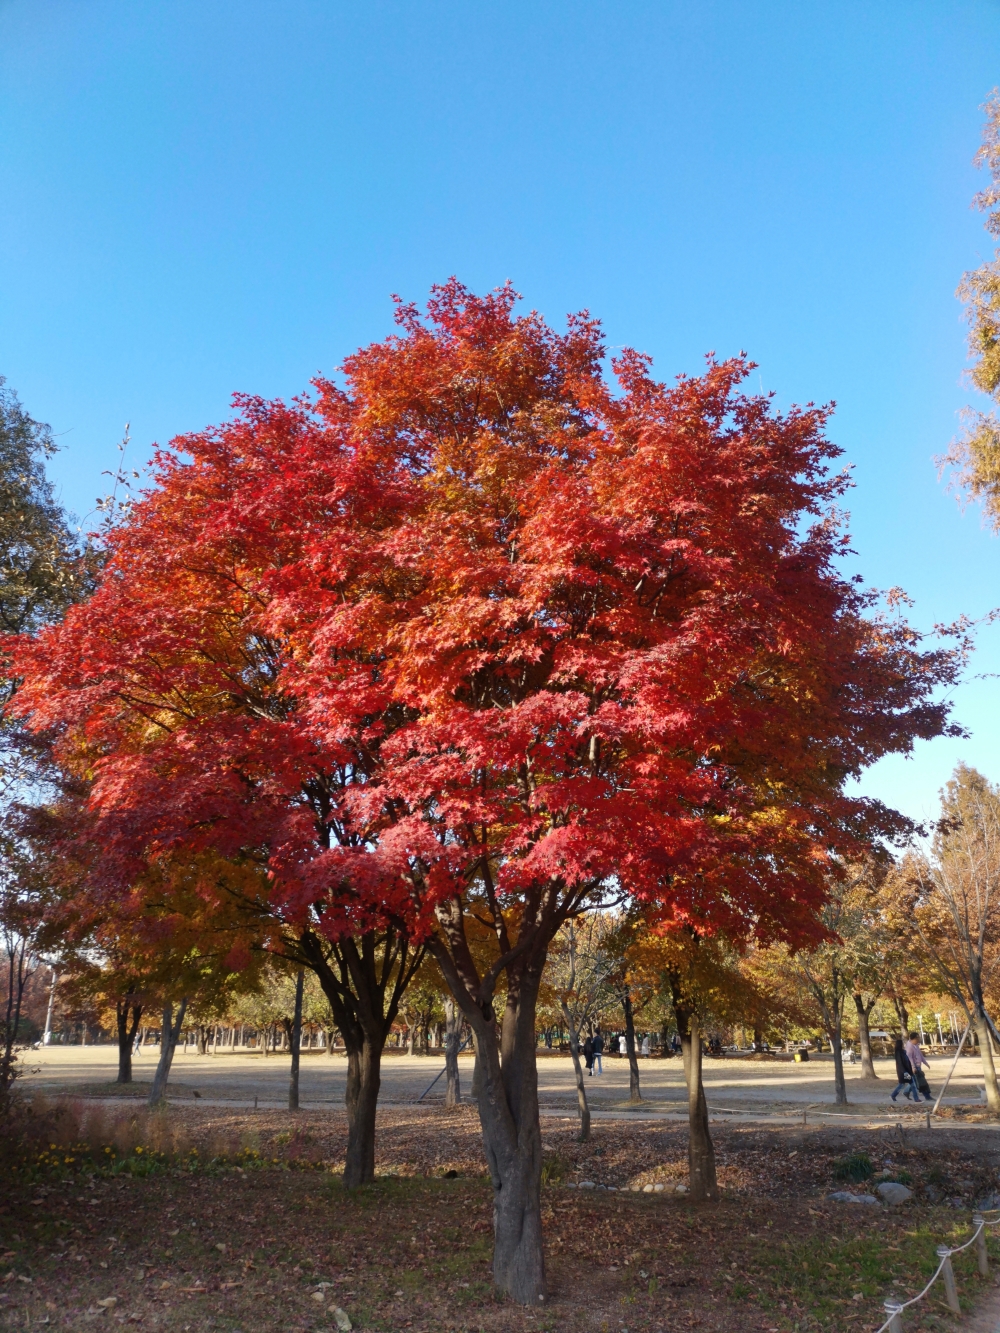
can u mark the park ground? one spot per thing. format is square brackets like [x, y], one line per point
[211, 1215]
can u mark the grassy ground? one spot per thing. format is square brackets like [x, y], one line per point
[239, 1222]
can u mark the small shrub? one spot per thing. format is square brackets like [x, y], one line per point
[856, 1166]
[554, 1170]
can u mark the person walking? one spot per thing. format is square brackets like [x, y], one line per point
[598, 1052]
[588, 1054]
[904, 1074]
[918, 1063]
[645, 1045]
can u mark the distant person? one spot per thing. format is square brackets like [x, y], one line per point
[588, 1054]
[623, 1045]
[918, 1063]
[645, 1044]
[904, 1074]
[598, 1052]
[675, 1043]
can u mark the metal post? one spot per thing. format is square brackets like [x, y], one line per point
[951, 1071]
[984, 1263]
[893, 1310]
[948, 1273]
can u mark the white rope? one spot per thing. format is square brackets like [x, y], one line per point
[898, 1309]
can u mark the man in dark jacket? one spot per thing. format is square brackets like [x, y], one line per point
[598, 1051]
[588, 1054]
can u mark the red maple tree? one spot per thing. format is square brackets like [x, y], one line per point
[558, 645]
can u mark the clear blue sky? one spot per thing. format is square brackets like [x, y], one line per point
[202, 198]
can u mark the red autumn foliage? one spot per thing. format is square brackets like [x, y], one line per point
[474, 633]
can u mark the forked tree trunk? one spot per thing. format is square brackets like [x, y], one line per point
[633, 1063]
[452, 1038]
[363, 979]
[864, 1036]
[581, 1087]
[170, 1032]
[126, 1034]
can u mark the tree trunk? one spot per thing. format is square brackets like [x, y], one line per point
[839, 1082]
[170, 1032]
[581, 1087]
[411, 1038]
[453, 1025]
[202, 1033]
[363, 1079]
[701, 1151]
[508, 1113]
[633, 1064]
[331, 1036]
[296, 1043]
[126, 1035]
[986, 1054]
[864, 1037]
[903, 1016]
[758, 1036]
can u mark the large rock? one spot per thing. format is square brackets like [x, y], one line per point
[843, 1196]
[892, 1192]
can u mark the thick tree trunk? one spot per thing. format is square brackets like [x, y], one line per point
[452, 1036]
[864, 1037]
[701, 1151]
[633, 1063]
[982, 1031]
[363, 1079]
[296, 1044]
[508, 1113]
[170, 1032]
[331, 1036]
[126, 1035]
[202, 1034]
[581, 1087]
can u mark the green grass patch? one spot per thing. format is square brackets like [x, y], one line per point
[855, 1167]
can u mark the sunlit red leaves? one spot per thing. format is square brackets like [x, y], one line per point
[476, 604]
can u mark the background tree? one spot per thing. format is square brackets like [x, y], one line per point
[975, 457]
[956, 901]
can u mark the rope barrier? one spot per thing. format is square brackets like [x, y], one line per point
[895, 1308]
